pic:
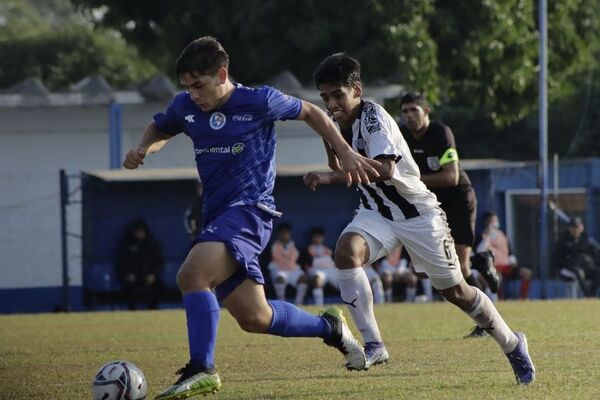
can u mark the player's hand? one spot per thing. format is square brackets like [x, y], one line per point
[314, 179]
[134, 158]
[358, 168]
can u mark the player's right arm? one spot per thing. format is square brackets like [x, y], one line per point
[385, 171]
[152, 140]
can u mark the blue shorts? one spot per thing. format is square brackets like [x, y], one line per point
[245, 231]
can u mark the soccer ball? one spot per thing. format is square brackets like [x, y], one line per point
[119, 380]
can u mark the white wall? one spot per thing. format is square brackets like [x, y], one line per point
[36, 142]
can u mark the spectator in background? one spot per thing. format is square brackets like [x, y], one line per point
[577, 257]
[193, 214]
[284, 266]
[320, 265]
[139, 264]
[394, 268]
[494, 240]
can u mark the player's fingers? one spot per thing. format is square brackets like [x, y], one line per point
[354, 178]
[364, 177]
[306, 178]
[371, 166]
[349, 180]
[372, 162]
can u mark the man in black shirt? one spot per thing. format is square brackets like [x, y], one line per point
[576, 256]
[433, 147]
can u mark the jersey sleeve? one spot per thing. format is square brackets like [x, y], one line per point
[169, 122]
[446, 150]
[281, 107]
[380, 136]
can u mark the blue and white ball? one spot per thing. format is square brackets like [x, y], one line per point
[119, 380]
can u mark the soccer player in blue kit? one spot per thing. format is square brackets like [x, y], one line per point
[232, 130]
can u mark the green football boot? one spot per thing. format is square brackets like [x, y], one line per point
[343, 340]
[192, 382]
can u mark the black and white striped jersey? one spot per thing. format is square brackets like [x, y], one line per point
[404, 196]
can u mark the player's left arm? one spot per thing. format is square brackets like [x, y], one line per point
[449, 174]
[356, 168]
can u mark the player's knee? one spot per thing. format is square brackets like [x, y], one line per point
[184, 279]
[254, 323]
[346, 257]
[189, 279]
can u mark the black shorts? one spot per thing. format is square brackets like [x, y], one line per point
[461, 212]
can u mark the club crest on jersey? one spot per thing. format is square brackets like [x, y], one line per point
[217, 120]
[433, 163]
[360, 143]
[237, 148]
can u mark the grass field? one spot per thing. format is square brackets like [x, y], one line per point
[54, 356]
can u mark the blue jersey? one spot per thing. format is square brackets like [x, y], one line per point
[234, 145]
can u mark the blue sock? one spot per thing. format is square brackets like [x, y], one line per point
[291, 321]
[202, 311]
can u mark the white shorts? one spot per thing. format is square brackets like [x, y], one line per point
[426, 238]
[289, 277]
[329, 275]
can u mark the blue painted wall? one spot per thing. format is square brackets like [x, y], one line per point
[109, 206]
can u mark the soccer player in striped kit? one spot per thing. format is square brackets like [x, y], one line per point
[396, 208]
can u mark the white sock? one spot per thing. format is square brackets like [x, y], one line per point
[486, 316]
[389, 295]
[280, 291]
[411, 293]
[427, 289]
[377, 289]
[318, 296]
[301, 290]
[357, 295]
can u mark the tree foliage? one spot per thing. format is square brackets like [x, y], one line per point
[47, 39]
[477, 61]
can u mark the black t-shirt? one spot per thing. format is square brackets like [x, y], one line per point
[427, 152]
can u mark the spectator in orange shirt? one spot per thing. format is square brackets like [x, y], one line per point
[284, 266]
[321, 267]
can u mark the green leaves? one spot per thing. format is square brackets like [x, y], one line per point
[477, 61]
[57, 45]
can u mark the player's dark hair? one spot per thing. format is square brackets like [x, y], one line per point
[204, 56]
[417, 98]
[337, 69]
